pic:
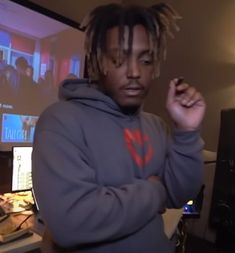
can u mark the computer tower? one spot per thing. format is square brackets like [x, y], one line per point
[222, 213]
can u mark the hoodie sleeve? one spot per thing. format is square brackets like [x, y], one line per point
[75, 208]
[183, 175]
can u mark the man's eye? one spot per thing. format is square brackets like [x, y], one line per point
[117, 61]
[114, 60]
[146, 61]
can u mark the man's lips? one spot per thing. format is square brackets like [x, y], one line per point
[133, 90]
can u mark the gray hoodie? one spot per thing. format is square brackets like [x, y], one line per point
[91, 163]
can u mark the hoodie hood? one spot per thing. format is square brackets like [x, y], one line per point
[86, 92]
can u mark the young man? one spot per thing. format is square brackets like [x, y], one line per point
[103, 169]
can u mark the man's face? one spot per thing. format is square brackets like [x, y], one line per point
[127, 84]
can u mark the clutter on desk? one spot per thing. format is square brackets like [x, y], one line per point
[16, 201]
[10, 229]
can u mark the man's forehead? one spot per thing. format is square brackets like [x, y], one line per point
[125, 30]
[139, 35]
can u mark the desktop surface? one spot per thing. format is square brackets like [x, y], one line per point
[19, 214]
[16, 202]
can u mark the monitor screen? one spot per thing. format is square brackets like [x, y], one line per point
[191, 209]
[22, 169]
[37, 52]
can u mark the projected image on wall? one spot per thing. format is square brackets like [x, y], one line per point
[36, 54]
[18, 128]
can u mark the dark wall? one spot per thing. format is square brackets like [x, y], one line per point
[5, 171]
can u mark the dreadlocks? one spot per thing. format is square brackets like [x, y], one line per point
[159, 20]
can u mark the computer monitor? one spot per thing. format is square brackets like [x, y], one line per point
[22, 169]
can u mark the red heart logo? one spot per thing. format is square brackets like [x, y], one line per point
[133, 137]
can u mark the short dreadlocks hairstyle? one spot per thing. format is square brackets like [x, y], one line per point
[159, 20]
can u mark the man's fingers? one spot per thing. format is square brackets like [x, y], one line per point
[171, 91]
[177, 89]
[183, 93]
[188, 96]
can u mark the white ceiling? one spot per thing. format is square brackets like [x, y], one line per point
[28, 22]
[19, 18]
[77, 9]
[73, 9]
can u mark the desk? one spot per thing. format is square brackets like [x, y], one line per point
[22, 245]
[171, 219]
[26, 244]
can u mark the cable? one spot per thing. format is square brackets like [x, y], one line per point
[22, 222]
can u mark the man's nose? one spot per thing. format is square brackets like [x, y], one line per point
[133, 69]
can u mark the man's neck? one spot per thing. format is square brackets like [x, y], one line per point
[130, 110]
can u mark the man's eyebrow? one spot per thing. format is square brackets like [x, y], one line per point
[127, 51]
[146, 52]
[113, 50]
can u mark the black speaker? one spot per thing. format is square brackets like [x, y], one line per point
[222, 213]
[5, 171]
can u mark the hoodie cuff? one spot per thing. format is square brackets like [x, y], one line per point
[187, 141]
